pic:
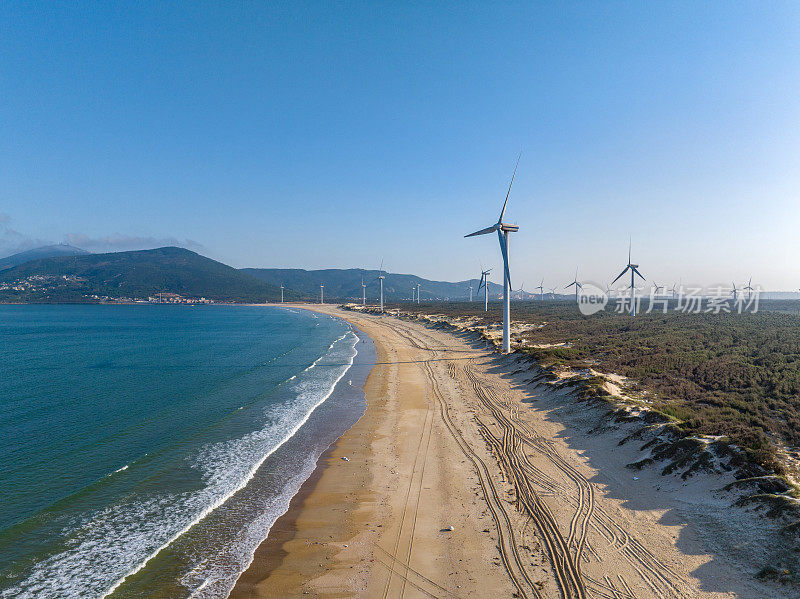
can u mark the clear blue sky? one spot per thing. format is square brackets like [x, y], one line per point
[333, 134]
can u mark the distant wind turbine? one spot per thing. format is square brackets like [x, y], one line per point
[363, 292]
[735, 291]
[634, 268]
[749, 288]
[656, 287]
[485, 284]
[322, 294]
[503, 231]
[541, 290]
[380, 278]
[553, 293]
[577, 285]
[674, 289]
[417, 292]
[281, 293]
[470, 291]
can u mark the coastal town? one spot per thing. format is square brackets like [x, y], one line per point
[56, 288]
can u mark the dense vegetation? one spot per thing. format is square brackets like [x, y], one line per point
[736, 375]
[137, 274]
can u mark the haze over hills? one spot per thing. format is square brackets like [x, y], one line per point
[134, 274]
[46, 251]
[346, 284]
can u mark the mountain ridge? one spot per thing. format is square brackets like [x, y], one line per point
[135, 274]
[45, 251]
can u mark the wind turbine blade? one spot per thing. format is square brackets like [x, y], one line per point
[508, 193]
[504, 249]
[485, 231]
[620, 275]
[638, 273]
[571, 284]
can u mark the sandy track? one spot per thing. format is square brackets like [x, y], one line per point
[452, 438]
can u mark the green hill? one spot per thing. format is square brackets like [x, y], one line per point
[346, 284]
[135, 275]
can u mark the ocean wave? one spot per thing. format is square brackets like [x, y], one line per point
[112, 544]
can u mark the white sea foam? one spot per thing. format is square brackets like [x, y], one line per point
[112, 544]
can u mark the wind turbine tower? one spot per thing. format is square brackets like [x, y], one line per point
[503, 230]
[485, 284]
[322, 294]
[578, 285]
[541, 290]
[470, 291]
[380, 278]
[634, 268]
[281, 293]
[363, 292]
[417, 292]
[735, 291]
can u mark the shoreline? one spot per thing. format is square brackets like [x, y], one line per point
[330, 543]
[269, 553]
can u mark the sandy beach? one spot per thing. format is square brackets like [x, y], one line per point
[464, 479]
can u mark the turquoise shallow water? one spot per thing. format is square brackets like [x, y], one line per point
[146, 450]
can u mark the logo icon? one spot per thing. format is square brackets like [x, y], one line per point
[591, 299]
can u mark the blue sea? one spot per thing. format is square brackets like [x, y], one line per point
[145, 451]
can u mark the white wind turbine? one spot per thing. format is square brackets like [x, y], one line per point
[418, 292]
[749, 288]
[735, 291]
[656, 288]
[503, 231]
[675, 288]
[281, 293]
[552, 293]
[363, 292]
[578, 285]
[322, 294]
[381, 277]
[541, 290]
[485, 284]
[634, 268]
[470, 291]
